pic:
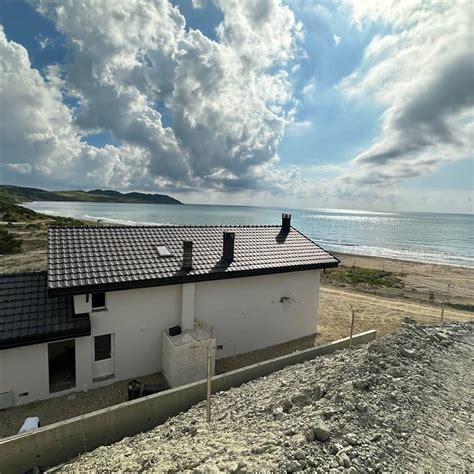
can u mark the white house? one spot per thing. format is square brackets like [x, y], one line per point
[111, 293]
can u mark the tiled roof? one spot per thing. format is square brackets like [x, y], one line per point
[116, 257]
[29, 316]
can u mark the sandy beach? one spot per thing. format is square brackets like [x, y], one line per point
[423, 282]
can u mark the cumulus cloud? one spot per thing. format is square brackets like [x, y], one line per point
[38, 136]
[195, 112]
[422, 71]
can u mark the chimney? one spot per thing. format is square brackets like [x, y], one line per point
[187, 255]
[285, 223]
[228, 254]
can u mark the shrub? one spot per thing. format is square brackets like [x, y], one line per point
[8, 242]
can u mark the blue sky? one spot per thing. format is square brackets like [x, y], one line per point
[317, 104]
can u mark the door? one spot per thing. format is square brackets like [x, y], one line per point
[104, 360]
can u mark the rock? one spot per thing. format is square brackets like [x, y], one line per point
[335, 448]
[361, 407]
[361, 384]
[321, 431]
[318, 392]
[309, 434]
[351, 438]
[396, 372]
[410, 353]
[343, 460]
[376, 437]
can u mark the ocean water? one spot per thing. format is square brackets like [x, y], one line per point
[425, 237]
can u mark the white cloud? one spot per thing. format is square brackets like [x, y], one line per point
[199, 111]
[337, 40]
[296, 128]
[309, 89]
[43, 41]
[39, 137]
[422, 71]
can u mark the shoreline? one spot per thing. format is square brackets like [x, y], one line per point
[416, 252]
[336, 253]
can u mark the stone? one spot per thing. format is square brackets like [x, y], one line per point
[410, 353]
[335, 448]
[351, 438]
[361, 407]
[309, 434]
[343, 460]
[321, 431]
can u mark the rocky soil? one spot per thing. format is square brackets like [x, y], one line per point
[401, 403]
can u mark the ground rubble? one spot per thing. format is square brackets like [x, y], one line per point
[401, 403]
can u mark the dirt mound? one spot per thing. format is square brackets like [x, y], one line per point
[401, 403]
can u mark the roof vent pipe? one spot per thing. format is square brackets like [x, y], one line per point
[285, 222]
[228, 252]
[187, 255]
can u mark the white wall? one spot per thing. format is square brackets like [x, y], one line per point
[25, 369]
[137, 319]
[246, 313]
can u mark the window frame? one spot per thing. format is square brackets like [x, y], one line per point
[99, 308]
[110, 347]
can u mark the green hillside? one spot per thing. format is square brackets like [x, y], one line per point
[18, 194]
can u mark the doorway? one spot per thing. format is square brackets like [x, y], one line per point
[104, 360]
[62, 365]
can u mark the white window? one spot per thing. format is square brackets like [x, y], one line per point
[163, 251]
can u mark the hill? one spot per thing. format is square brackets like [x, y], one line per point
[18, 194]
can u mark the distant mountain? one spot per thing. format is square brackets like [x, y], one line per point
[17, 194]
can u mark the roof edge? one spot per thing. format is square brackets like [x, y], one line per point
[33, 340]
[135, 284]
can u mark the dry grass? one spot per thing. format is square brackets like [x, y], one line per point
[373, 312]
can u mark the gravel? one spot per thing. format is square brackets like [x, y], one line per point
[401, 403]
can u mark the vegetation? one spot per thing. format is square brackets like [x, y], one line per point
[10, 212]
[362, 278]
[18, 194]
[8, 242]
[461, 306]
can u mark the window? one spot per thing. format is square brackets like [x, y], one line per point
[163, 251]
[98, 301]
[103, 347]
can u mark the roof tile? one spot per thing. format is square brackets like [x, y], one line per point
[80, 257]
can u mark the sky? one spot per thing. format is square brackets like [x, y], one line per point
[316, 104]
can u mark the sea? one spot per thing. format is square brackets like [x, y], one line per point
[423, 237]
